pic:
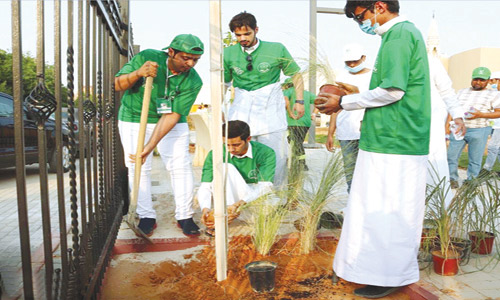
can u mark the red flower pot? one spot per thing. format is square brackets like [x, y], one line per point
[446, 266]
[482, 241]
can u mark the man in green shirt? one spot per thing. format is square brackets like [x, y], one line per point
[175, 87]
[250, 168]
[254, 67]
[383, 224]
[297, 129]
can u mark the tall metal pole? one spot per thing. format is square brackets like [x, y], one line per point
[312, 62]
[216, 96]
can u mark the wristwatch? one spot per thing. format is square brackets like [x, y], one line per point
[299, 101]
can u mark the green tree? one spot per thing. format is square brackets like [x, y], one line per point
[29, 75]
[229, 40]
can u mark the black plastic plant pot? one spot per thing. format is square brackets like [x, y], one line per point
[261, 275]
[330, 220]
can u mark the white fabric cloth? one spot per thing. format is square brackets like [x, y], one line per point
[263, 110]
[236, 189]
[349, 122]
[383, 220]
[443, 101]
[276, 141]
[372, 98]
[174, 151]
[387, 25]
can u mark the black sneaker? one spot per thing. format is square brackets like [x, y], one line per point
[147, 225]
[189, 227]
[373, 291]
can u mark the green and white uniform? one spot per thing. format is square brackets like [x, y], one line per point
[249, 176]
[381, 232]
[309, 97]
[258, 97]
[174, 147]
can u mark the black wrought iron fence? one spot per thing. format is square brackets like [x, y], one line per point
[88, 221]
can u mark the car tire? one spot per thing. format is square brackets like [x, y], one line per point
[65, 158]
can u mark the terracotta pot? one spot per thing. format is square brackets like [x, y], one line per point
[330, 89]
[446, 266]
[482, 241]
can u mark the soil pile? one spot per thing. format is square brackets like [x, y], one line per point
[297, 276]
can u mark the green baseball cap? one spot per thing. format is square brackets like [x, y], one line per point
[288, 81]
[482, 73]
[187, 43]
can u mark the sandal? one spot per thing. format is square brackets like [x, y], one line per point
[210, 232]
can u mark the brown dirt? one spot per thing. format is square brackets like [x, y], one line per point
[297, 276]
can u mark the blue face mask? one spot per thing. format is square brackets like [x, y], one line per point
[356, 69]
[367, 27]
[494, 86]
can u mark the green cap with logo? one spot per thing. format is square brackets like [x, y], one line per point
[288, 81]
[482, 73]
[187, 43]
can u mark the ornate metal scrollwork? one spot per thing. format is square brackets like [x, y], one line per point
[41, 103]
[89, 111]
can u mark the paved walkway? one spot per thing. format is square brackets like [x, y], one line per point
[469, 284]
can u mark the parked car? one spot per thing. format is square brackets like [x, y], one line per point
[76, 126]
[7, 151]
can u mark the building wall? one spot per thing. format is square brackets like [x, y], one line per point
[460, 65]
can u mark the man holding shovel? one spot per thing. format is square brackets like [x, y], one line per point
[175, 87]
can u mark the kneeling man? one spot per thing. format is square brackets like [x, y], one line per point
[250, 169]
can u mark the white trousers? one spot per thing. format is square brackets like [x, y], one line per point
[383, 220]
[236, 189]
[174, 151]
[277, 141]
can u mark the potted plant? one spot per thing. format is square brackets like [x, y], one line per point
[445, 224]
[484, 212]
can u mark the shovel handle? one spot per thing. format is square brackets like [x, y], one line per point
[140, 141]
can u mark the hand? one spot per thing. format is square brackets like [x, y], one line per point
[474, 115]
[145, 152]
[313, 117]
[298, 111]
[233, 211]
[148, 69]
[329, 143]
[327, 103]
[207, 217]
[348, 88]
[460, 126]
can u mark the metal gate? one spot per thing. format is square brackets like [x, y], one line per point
[89, 220]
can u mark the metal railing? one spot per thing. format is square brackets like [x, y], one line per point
[98, 185]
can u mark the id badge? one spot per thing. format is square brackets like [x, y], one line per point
[164, 106]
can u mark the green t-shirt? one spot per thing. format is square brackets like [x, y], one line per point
[260, 167]
[267, 60]
[401, 127]
[305, 121]
[184, 87]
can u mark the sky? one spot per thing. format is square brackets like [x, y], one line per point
[462, 25]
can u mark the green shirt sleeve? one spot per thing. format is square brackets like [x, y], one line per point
[287, 63]
[207, 172]
[396, 62]
[266, 162]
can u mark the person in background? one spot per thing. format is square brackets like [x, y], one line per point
[297, 129]
[346, 125]
[443, 102]
[480, 105]
[494, 143]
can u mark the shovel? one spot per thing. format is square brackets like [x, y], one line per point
[138, 161]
